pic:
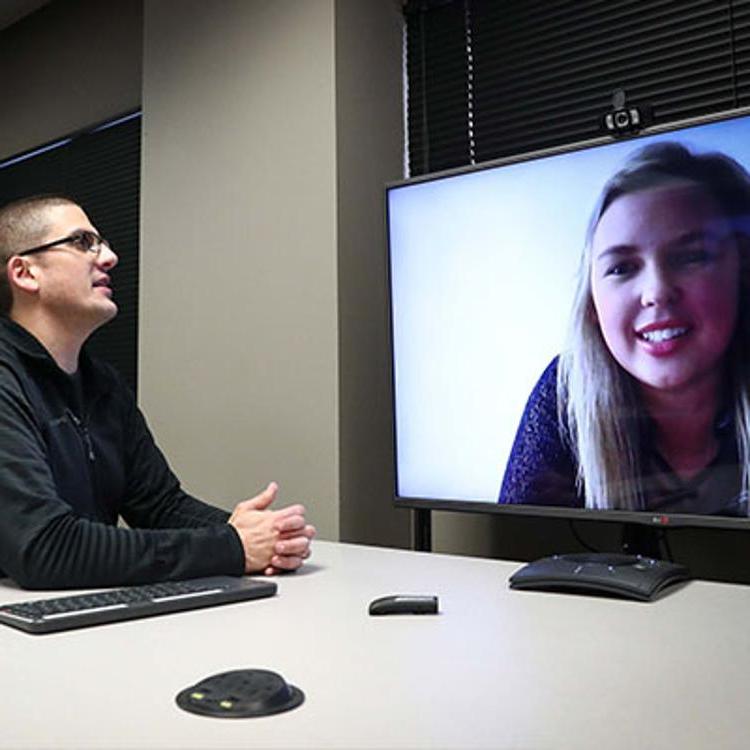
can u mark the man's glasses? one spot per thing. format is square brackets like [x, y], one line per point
[85, 241]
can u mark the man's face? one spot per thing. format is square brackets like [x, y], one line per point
[665, 285]
[74, 285]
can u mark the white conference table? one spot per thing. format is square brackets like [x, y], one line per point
[495, 669]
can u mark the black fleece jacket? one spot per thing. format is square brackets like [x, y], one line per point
[75, 453]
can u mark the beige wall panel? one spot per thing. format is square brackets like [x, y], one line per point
[238, 344]
[369, 136]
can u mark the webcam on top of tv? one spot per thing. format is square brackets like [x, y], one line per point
[625, 119]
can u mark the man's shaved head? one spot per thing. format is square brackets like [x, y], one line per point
[23, 223]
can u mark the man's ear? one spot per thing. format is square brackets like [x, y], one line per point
[22, 275]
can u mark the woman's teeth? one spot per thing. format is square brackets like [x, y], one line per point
[662, 334]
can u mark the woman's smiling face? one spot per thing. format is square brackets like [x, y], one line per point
[665, 285]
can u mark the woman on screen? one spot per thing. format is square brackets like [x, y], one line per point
[648, 407]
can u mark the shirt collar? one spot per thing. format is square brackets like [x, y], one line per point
[23, 341]
[29, 346]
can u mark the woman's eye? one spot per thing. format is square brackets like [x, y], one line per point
[691, 257]
[622, 268]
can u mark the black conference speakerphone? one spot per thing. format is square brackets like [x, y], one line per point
[627, 576]
[129, 603]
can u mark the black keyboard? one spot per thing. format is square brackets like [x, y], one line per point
[81, 610]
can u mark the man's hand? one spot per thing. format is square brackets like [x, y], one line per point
[273, 540]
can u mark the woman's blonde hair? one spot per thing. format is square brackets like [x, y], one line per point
[598, 403]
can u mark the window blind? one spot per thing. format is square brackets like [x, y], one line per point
[100, 168]
[493, 78]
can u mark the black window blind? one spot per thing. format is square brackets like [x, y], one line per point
[493, 78]
[99, 168]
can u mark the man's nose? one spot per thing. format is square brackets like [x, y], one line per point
[107, 258]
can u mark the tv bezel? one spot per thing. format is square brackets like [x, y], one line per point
[646, 518]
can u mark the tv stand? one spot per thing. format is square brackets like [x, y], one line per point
[638, 539]
[422, 530]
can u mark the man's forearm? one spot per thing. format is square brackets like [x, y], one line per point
[72, 552]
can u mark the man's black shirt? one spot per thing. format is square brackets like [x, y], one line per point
[76, 454]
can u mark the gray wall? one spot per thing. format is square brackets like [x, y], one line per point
[369, 142]
[68, 66]
[268, 136]
[238, 346]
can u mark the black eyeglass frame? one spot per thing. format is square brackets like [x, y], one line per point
[96, 247]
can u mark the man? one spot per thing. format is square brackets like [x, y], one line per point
[75, 451]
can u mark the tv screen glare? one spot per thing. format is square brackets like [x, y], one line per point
[484, 266]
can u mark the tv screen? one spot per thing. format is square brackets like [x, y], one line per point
[569, 333]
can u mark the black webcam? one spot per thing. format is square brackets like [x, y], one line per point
[624, 119]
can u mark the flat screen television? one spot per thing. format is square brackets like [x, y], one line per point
[545, 335]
